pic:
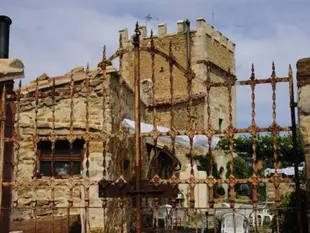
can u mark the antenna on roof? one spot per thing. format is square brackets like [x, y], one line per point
[148, 18]
[212, 18]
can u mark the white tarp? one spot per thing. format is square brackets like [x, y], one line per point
[289, 171]
[200, 141]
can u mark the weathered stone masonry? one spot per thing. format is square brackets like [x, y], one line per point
[303, 83]
[207, 45]
[100, 92]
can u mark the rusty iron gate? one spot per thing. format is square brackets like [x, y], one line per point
[128, 197]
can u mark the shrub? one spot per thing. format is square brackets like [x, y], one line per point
[288, 216]
[220, 191]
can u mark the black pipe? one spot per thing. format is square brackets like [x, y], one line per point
[5, 23]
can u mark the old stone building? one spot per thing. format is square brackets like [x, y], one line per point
[83, 107]
[10, 69]
[77, 119]
[205, 45]
[69, 105]
[210, 54]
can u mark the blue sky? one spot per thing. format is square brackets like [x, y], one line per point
[54, 36]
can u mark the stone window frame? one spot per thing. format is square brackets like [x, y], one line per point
[47, 157]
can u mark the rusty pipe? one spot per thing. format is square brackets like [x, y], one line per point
[136, 43]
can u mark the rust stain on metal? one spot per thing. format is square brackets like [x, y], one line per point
[155, 187]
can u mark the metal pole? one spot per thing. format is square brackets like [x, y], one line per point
[2, 135]
[294, 136]
[188, 43]
[136, 43]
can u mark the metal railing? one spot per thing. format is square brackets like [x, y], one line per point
[121, 209]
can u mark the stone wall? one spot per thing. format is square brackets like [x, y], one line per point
[127, 102]
[163, 114]
[206, 44]
[303, 83]
[42, 192]
[219, 103]
[284, 188]
[162, 74]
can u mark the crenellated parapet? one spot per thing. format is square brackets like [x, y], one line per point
[202, 27]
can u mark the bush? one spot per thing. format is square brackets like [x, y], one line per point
[262, 192]
[288, 217]
[206, 162]
[264, 148]
[220, 191]
[242, 170]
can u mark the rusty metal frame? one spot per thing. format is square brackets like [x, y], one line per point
[156, 182]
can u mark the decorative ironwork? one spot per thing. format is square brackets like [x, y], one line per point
[113, 184]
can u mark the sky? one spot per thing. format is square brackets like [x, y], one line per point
[53, 37]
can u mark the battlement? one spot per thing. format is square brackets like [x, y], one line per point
[201, 28]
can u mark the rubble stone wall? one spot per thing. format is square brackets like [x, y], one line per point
[303, 83]
[205, 44]
[101, 97]
[163, 115]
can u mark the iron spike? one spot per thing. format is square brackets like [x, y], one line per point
[104, 52]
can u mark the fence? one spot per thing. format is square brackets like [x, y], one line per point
[70, 156]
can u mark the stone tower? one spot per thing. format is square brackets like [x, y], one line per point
[204, 44]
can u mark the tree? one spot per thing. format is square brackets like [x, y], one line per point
[241, 168]
[243, 146]
[205, 163]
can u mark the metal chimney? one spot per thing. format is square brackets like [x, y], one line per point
[5, 23]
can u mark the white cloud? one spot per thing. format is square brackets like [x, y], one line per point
[286, 45]
[53, 37]
[69, 38]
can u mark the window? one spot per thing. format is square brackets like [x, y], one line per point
[221, 170]
[220, 123]
[62, 158]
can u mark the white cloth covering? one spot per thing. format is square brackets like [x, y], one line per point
[199, 141]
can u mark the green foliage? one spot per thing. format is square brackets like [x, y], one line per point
[288, 216]
[303, 176]
[262, 192]
[206, 162]
[242, 169]
[243, 146]
[220, 191]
